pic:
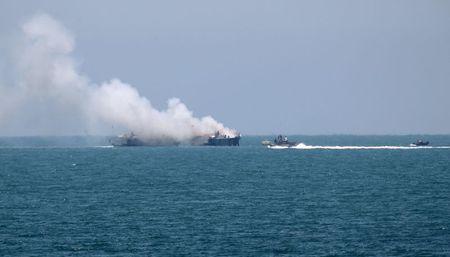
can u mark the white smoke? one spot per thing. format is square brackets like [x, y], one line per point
[48, 74]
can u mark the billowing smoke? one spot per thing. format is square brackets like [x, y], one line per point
[48, 74]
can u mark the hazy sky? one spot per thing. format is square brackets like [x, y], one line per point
[297, 67]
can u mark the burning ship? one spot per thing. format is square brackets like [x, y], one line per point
[217, 139]
[223, 140]
[130, 139]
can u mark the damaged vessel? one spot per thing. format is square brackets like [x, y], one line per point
[218, 139]
[130, 139]
[223, 140]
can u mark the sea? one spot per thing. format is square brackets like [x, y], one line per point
[337, 195]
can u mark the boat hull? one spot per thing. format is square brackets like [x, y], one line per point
[420, 144]
[125, 142]
[231, 141]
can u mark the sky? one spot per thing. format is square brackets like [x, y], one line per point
[265, 67]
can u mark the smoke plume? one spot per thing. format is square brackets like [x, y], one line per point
[51, 86]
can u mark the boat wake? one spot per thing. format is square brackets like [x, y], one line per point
[302, 146]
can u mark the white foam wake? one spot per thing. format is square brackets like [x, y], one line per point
[302, 146]
[103, 146]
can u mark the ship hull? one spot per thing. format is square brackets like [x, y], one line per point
[223, 141]
[420, 144]
[138, 142]
[132, 140]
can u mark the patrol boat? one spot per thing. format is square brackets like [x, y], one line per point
[280, 140]
[420, 143]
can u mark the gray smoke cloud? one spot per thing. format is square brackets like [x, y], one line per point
[50, 87]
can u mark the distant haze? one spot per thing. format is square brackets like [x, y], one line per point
[295, 67]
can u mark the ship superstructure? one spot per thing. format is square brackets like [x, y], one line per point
[223, 140]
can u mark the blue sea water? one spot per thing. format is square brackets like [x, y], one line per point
[68, 197]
